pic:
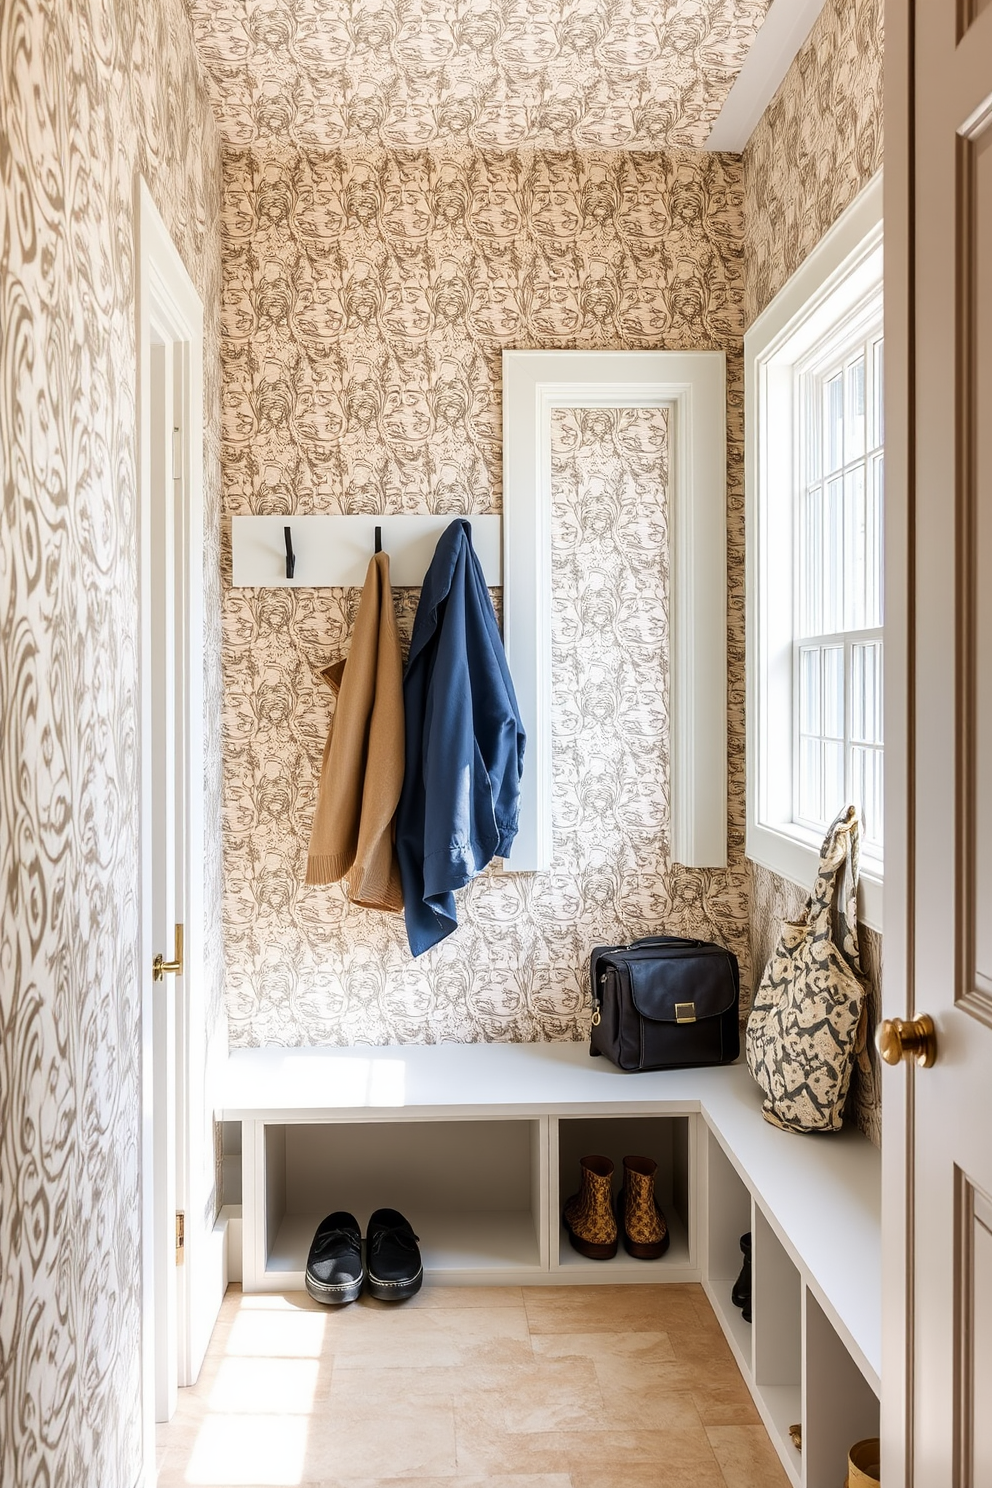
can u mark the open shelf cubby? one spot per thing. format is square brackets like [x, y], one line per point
[667, 1140]
[729, 1217]
[841, 1405]
[471, 1190]
[777, 1300]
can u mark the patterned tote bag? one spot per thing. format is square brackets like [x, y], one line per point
[807, 1022]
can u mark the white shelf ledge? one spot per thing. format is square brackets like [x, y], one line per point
[467, 1248]
[334, 551]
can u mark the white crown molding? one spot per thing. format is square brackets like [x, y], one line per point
[783, 31]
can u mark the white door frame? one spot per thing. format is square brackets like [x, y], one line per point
[169, 309]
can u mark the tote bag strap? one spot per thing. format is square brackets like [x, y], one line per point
[830, 914]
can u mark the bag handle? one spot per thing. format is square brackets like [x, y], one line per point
[667, 940]
[839, 860]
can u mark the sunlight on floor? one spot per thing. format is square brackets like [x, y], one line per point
[262, 1398]
[484, 1387]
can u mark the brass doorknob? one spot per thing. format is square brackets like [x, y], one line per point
[912, 1039]
[160, 966]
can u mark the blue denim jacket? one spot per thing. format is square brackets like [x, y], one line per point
[464, 742]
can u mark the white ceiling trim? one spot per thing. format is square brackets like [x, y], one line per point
[786, 26]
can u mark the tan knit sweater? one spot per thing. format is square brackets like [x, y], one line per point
[362, 771]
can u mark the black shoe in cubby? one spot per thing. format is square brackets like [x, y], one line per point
[335, 1272]
[395, 1270]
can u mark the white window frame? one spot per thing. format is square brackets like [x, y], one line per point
[836, 277]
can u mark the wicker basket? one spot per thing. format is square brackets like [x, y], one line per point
[863, 1464]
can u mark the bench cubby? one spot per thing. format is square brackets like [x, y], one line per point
[667, 1139]
[472, 1190]
[480, 1145]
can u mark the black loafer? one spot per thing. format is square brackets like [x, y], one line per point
[395, 1269]
[335, 1272]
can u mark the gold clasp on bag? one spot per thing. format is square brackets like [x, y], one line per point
[685, 1012]
[596, 1019]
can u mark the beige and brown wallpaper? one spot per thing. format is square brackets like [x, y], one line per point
[488, 74]
[367, 298]
[90, 93]
[818, 143]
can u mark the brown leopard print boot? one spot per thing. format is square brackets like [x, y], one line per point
[588, 1215]
[645, 1229]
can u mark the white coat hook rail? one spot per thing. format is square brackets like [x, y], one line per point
[326, 552]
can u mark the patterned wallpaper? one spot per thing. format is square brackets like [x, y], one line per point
[492, 74]
[89, 93]
[818, 143]
[366, 301]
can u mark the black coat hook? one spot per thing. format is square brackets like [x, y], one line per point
[378, 539]
[290, 555]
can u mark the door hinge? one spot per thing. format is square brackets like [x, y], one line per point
[180, 1237]
[177, 454]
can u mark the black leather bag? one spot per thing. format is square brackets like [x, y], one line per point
[665, 1003]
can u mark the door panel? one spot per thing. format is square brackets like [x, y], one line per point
[949, 618]
[978, 1324]
[977, 173]
[164, 870]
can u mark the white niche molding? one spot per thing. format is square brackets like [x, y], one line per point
[691, 385]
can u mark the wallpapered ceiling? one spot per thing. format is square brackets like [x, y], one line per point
[367, 298]
[89, 93]
[818, 143]
[494, 74]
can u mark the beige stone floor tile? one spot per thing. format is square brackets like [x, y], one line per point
[272, 1334]
[696, 1346]
[501, 1480]
[268, 1386]
[726, 1405]
[485, 1449]
[747, 1457]
[232, 1450]
[406, 1437]
[545, 1396]
[641, 1347]
[609, 1309]
[443, 1298]
[655, 1475]
[643, 1397]
[439, 1338]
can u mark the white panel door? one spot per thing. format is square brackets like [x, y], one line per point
[940, 92]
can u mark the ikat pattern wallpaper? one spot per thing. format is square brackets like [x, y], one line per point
[818, 143]
[90, 93]
[367, 299]
[491, 74]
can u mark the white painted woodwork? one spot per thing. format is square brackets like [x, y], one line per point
[335, 550]
[834, 278]
[834, 1392]
[939, 1158]
[480, 1143]
[784, 30]
[692, 386]
[176, 1160]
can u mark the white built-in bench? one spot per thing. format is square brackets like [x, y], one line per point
[479, 1146]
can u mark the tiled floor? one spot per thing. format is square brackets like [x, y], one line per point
[533, 1387]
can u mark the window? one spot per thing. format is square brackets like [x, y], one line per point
[815, 465]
